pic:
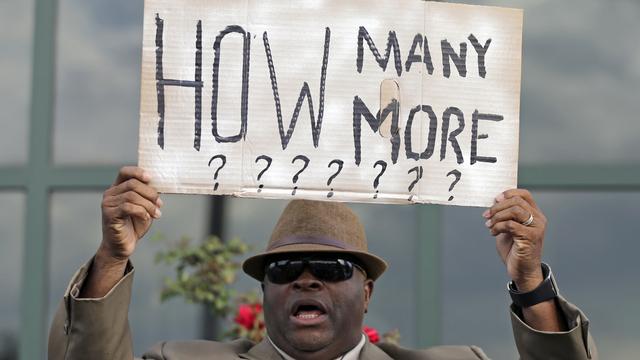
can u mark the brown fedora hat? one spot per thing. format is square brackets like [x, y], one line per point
[317, 226]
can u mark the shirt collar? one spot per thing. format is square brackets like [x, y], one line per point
[351, 355]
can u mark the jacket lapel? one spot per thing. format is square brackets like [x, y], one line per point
[262, 351]
[372, 352]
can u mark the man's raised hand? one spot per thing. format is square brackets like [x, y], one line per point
[519, 245]
[128, 209]
[519, 225]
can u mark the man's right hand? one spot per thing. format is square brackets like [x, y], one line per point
[128, 209]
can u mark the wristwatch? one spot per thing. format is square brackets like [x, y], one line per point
[547, 290]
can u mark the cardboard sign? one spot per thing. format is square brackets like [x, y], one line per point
[386, 101]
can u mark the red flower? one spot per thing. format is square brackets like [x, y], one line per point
[257, 307]
[372, 333]
[247, 314]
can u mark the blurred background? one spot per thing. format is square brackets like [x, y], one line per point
[69, 97]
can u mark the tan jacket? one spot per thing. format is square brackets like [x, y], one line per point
[98, 329]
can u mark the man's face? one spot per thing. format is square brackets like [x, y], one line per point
[309, 318]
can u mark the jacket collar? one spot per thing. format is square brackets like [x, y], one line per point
[265, 351]
[262, 351]
[370, 351]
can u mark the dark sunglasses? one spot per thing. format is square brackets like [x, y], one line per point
[329, 270]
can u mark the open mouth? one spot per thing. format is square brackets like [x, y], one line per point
[308, 311]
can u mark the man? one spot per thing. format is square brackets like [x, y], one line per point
[317, 278]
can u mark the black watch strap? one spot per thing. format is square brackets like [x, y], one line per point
[547, 290]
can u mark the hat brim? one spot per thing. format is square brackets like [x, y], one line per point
[254, 266]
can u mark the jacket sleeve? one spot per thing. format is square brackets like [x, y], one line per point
[574, 344]
[92, 328]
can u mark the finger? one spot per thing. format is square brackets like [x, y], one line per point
[516, 213]
[511, 202]
[132, 172]
[135, 198]
[511, 227]
[135, 185]
[129, 209]
[523, 193]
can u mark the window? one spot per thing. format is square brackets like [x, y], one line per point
[77, 62]
[15, 72]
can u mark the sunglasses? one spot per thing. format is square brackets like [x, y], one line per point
[329, 270]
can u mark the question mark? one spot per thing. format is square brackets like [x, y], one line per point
[215, 176]
[458, 175]
[295, 177]
[418, 170]
[340, 164]
[376, 181]
[268, 160]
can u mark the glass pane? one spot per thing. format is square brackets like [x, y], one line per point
[12, 206]
[75, 236]
[16, 37]
[98, 81]
[392, 234]
[580, 81]
[592, 246]
[252, 220]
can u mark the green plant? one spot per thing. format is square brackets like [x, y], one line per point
[203, 272]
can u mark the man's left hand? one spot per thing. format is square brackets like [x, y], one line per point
[519, 245]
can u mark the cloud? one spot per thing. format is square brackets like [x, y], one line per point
[580, 81]
[15, 71]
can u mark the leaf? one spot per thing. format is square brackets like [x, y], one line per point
[203, 272]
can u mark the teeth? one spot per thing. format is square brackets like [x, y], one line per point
[308, 316]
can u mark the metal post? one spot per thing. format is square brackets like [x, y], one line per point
[429, 306]
[35, 259]
[210, 324]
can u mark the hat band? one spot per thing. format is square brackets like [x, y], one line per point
[296, 240]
